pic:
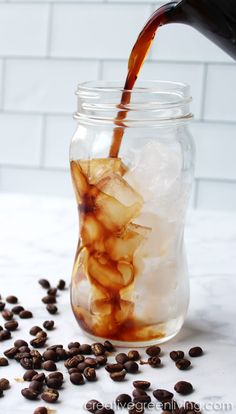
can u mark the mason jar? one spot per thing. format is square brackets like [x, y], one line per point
[130, 278]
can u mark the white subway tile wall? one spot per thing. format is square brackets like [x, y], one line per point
[48, 46]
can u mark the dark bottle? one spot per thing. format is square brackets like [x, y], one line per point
[215, 19]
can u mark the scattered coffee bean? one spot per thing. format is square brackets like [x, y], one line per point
[55, 383]
[3, 362]
[2, 305]
[11, 352]
[123, 400]
[176, 355]
[118, 376]
[26, 363]
[39, 377]
[196, 351]
[17, 309]
[109, 346]
[91, 362]
[154, 361]
[85, 349]
[21, 355]
[38, 342]
[7, 314]
[77, 378]
[183, 387]
[34, 330]
[153, 350]
[41, 410]
[192, 406]
[98, 349]
[142, 399]
[114, 367]
[62, 354]
[93, 405]
[72, 370]
[12, 299]
[50, 355]
[57, 375]
[44, 283]
[143, 385]
[50, 395]
[73, 345]
[163, 395]
[55, 347]
[36, 386]
[1, 393]
[137, 392]
[24, 349]
[4, 384]
[72, 362]
[25, 314]
[171, 406]
[49, 325]
[121, 358]
[73, 351]
[4, 335]
[11, 325]
[52, 309]
[20, 342]
[81, 366]
[131, 367]
[29, 374]
[41, 334]
[49, 366]
[101, 360]
[49, 299]
[52, 291]
[61, 284]
[104, 410]
[29, 393]
[136, 409]
[90, 374]
[133, 355]
[183, 364]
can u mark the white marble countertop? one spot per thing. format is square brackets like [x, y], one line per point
[38, 238]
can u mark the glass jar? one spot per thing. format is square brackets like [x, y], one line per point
[130, 279]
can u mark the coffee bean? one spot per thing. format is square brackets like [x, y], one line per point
[109, 346]
[81, 366]
[49, 366]
[1, 393]
[123, 400]
[153, 350]
[72, 362]
[73, 345]
[41, 410]
[34, 330]
[52, 291]
[62, 354]
[61, 284]
[20, 342]
[50, 395]
[52, 309]
[41, 334]
[1, 328]
[143, 385]
[55, 383]
[154, 361]
[24, 349]
[192, 407]
[90, 374]
[4, 384]
[121, 358]
[118, 376]
[26, 363]
[104, 410]
[142, 399]
[11, 325]
[91, 362]
[49, 299]
[29, 393]
[4, 335]
[183, 364]
[136, 409]
[176, 355]
[73, 351]
[137, 392]
[98, 349]
[50, 355]
[183, 387]
[171, 406]
[133, 355]
[36, 386]
[114, 367]
[76, 378]
[44, 283]
[2, 305]
[131, 367]
[25, 314]
[29, 374]
[21, 355]
[7, 314]
[55, 347]
[38, 342]
[195, 352]
[49, 325]
[39, 377]
[57, 375]
[72, 370]
[3, 362]
[163, 395]
[17, 309]
[101, 360]
[12, 299]
[93, 405]
[11, 352]
[85, 349]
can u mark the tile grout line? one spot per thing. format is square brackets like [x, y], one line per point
[49, 30]
[3, 86]
[204, 86]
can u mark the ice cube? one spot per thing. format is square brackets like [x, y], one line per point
[115, 186]
[97, 168]
[80, 182]
[103, 272]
